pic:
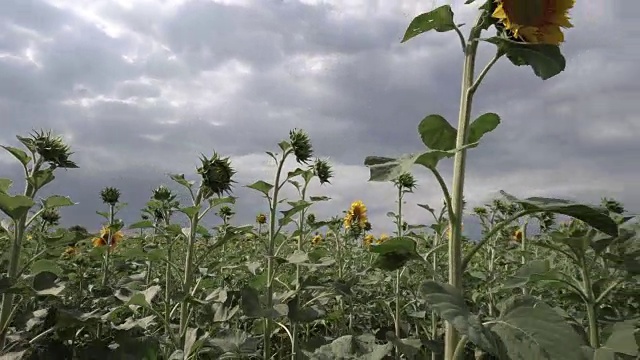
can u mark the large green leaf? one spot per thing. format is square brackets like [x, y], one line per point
[261, 186]
[534, 271]
[436, 133]
[589, 214]
[15, 206]
[449, 304]
[483, 124]
[623, 338]
[545, 60]
[349, 347]
[440, 19]
[395, 253]
[55, 201]
[531, 330]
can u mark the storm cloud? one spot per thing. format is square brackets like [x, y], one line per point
[140, 89]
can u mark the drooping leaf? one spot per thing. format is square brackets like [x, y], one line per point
[351, 347]
[144, 224]
[395, 253]
[439, 19]
[546, 60]
[18, 154]
[588, 214]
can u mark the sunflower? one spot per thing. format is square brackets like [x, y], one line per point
[316, 240]
[517, 235]
[104, 237]
[535, 21]
[357, 214]
[71, 250]
[368, 240]
[382, 238]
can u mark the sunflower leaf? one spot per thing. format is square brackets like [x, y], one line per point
[436, 133]
[440, 19]
[546, 60]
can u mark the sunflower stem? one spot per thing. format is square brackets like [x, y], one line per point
[459, 163]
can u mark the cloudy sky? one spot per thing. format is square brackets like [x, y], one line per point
[140, 88]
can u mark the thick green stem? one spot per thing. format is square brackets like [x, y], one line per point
[188, 269]
[398, 273]
[19, 228]
[459, 165]
[523, 260]
[270, 250]
[105, 269]
[591, 304]
[295, 345]
[458, 353]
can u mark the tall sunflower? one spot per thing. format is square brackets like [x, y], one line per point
[357, 214]
[535, 21]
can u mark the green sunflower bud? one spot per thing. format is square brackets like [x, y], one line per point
[51, 217]
[51, 149]
[405, 181]
[301, 145]
[311, 219]
[322, 169]
[225, 212]
[163, 193]
[261, 219]
[110, 195]
[216, 175]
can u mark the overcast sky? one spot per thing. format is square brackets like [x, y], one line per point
[140, 88]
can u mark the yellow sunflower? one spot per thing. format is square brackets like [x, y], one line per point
[316, 240]
[104, 237]
[368, 240]
[517, 235]
[357, 214]
[261, 219]
[382, 238]
[535, 21]
[71, 250]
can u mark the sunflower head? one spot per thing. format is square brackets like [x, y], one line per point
[217, 175]
[517, 235]
[382, 238]
[51, 217]
[71, 251]
[533, 21]
[316, 240]
[116, 237]
[51, 148]
[322, 169]
[368, 240]
[110, 195]
[357, 214]
[301, 145]
[261, 219]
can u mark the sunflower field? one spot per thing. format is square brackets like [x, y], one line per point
[546, 279]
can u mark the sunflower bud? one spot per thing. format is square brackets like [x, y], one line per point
[367, 226]
[261, 219]
[225, 212]
[163, 193]
[51, 217]
[311, 219]
[216, 175]
[110, 195]
[405, 181]
[51, 149]
[323, 171]
[144, 217]
[480, 211]
[301, 145]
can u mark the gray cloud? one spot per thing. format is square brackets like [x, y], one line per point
[140, 92]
